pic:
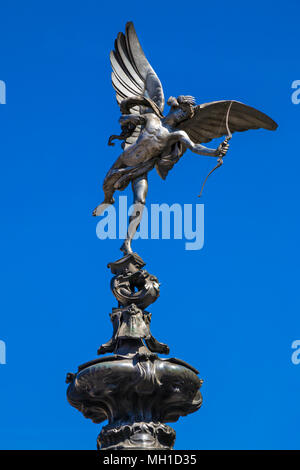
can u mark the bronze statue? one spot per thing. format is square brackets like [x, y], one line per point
[133, 388]
[151, 139]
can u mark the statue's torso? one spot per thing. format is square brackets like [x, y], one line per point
[151, 142]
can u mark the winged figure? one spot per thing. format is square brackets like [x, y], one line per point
[152, 140]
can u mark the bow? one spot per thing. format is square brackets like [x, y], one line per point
[220, 159]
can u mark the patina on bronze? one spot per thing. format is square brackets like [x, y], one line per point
[133, 388]
[151, 139]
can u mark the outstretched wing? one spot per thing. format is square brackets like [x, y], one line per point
[132, 74]
[209, 120]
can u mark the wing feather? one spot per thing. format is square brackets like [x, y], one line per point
[132, 75]
[119, 69]
[132, 87]
[121, 48]
[209, 120]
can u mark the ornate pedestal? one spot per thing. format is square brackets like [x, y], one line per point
[134, 389]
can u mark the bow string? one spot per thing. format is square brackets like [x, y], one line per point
[229, 136]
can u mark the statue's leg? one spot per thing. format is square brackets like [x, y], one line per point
[108, 200]
[109, 187]
[140, 189]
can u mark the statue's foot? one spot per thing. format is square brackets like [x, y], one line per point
[104, 205]
[126, 247]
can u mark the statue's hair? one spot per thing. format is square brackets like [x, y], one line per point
[186, 103]
[186, 99]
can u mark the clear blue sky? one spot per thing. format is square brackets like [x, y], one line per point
[230, 309]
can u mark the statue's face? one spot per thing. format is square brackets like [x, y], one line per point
[177, 112]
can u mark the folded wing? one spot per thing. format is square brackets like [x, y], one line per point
[132, 75]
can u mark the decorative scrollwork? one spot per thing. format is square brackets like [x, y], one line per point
[132, 284]
[137, 436]
[166, 389]
[135, 390]
[140, 288]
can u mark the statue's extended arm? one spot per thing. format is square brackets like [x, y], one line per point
[198, 148]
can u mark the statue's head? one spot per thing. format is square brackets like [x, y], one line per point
[181, 101]
[181, 109]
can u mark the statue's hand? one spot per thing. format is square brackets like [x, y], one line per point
[222, 149]
[110, 140]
